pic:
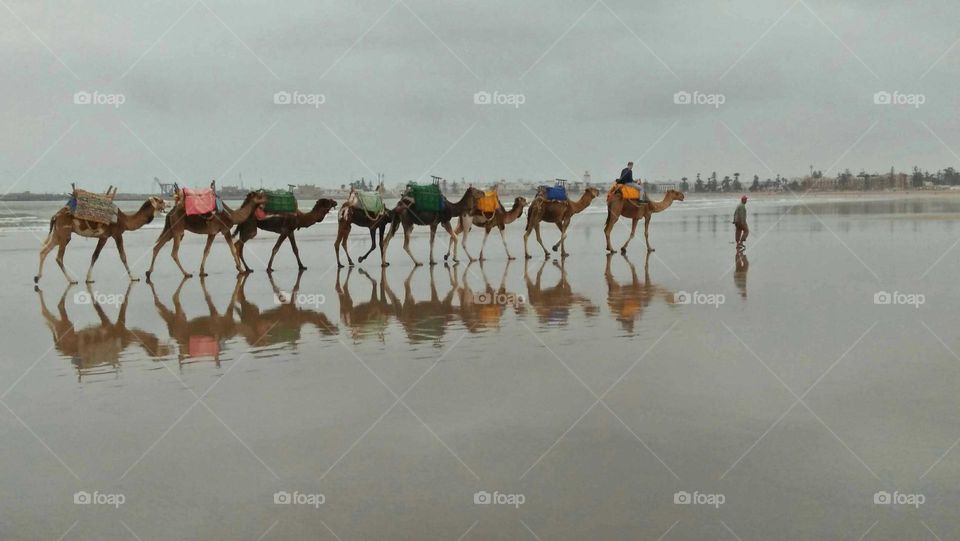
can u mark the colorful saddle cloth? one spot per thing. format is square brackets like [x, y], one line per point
[554, 193]
[628, 192]
[280, 202]
[203, 346]
[94, 207]
[490, 202]
[202, 201]
[370, 202]
[426, 197]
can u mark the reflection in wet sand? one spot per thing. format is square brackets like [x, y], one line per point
[627, 302]
[281, 324]
[96, 349]
[481, 310]
[741, 265]
[427, 320]
[370, 318]
[552, 305]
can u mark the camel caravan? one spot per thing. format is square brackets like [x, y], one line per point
[202, 211]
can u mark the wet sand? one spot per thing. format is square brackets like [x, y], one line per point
[597, 396]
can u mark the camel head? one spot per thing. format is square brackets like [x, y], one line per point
[592, 192]
[158, 204]
[674, 195]
[520, 202]
[324, 205]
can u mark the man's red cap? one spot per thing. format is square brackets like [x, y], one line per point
[743, 198]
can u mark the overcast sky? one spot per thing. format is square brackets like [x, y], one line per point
[597, 80]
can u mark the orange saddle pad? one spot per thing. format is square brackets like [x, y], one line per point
[490, 202]
[629, 192]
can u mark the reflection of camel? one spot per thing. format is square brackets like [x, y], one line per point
[96, 349]
[556, 212]
[218, 224]
[63, 226]
[372, 317]
[741, 266]
[281, 324]
[499, 219]
[627, 302]
[635, 210]
[484, 309]
[284, 225]
[201, 336]
[552, 304]
[427, 320]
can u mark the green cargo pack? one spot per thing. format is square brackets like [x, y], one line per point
[426, 197]
[371, 202]
[280, 201]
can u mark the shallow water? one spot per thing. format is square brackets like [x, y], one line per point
[588, 387]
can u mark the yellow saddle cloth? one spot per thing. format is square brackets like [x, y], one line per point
[629, 192]
[490, 202]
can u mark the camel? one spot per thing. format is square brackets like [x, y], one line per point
[284, 225]
[557, 212]
[371, 317]
[220, 223]
[635, 210]
[200, 336]
[96, 349]
[63, 226]
[627, 302]
[427, 320]
[484, 309]
[432, 219]
[552, 305]
[350, 216]
[281, 324]
[500, 219]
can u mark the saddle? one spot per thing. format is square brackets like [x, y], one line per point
[280, 202]
[371, 203]
[489, 203]
[554, 193]
[628, 192]
[93, 207]
[426, 197]
[201, 201]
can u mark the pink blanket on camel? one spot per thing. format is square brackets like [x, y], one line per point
[199, 201]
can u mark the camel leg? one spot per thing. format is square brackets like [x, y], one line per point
[483, 244]
[646, 234]
[175, 254]
[61, 249]
[118, 240]
[239, 246]
[563, 238]
[633, 231]
[453, 236]
[383, 246]
[504, 239]
[44, 251]
[101, 242]
[536, 228]
[276, 248]
[343, 232]
[433, 236]
[233, 251]
[206, 252]
[466, 230]
[526, 235]
[458, 230]
[406, 243]
[296, 251]
[373, 244]
[613, 214]
[164, 237]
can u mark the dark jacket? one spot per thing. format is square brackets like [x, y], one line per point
[626, 176]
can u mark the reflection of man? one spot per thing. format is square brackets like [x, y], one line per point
[740, 273]
[741, 231]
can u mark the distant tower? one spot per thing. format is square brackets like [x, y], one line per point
[241, 181]
[586, 177]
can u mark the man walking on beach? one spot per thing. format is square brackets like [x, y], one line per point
[740, 223]
[626, 177]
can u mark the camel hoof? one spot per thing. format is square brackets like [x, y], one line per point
[90, 282]
[340, 265]
[444, 258]
[564, 254]
[527, 256]
[554, 248]
[72, 282]
[302, 268]
[417, 264]
[203, 275]
[651, 250]
[36, 279]
[510, 258]
[352, 264]
[147, 274]
[384, 264]
[187, 275]
[623, 250]
[269, 271]
[432, 263]
[134, 278]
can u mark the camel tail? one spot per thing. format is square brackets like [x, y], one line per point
[52, 221]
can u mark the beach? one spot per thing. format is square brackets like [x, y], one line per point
[690, 394]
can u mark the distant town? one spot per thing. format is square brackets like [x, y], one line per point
[846, 181]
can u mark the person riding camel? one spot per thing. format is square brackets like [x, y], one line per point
[626, 178]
